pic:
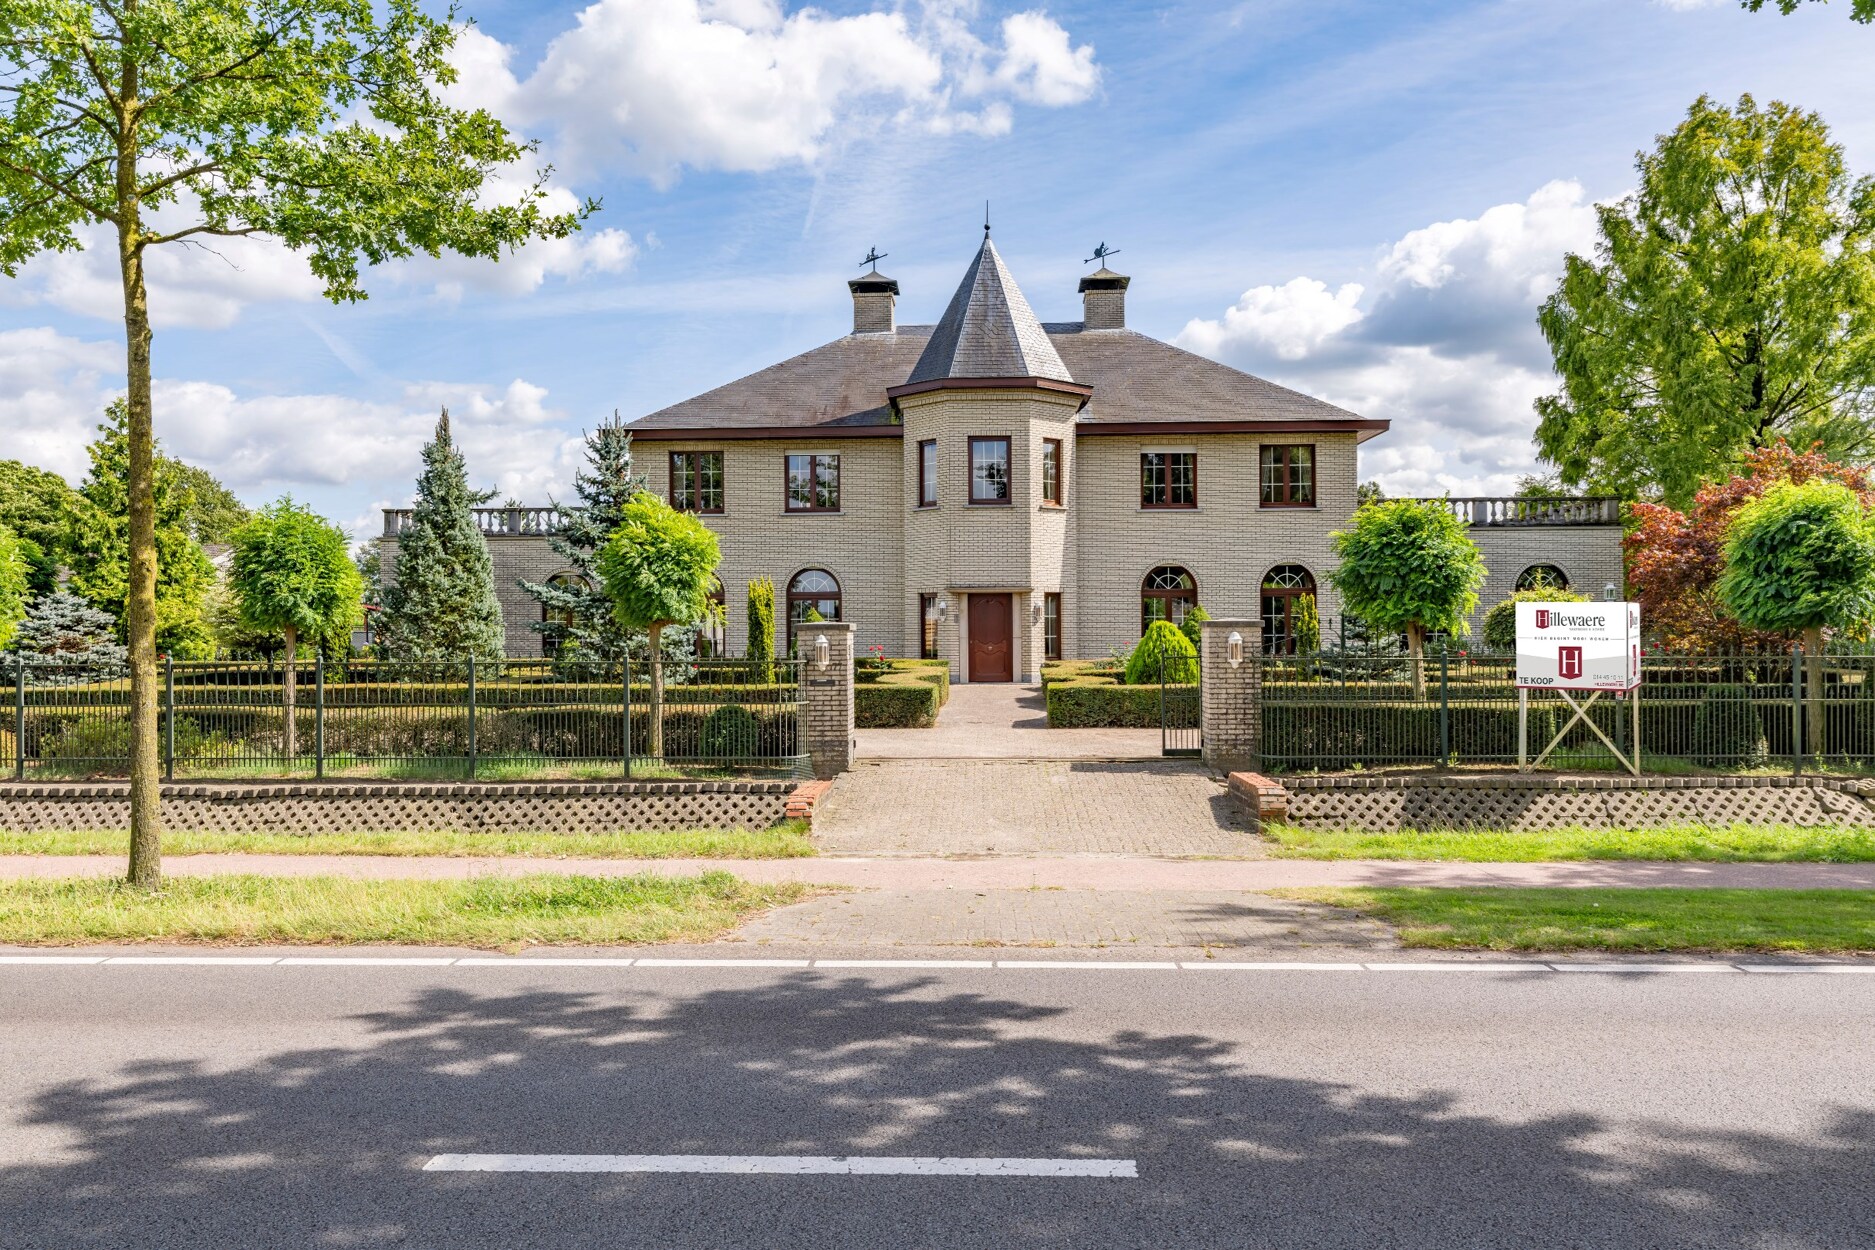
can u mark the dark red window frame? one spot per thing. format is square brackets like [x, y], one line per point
[927, 473]
[1055, 493]
[1160, 487]
[787, 481]
[1009, 485]
[1285, 492]
[691, 476]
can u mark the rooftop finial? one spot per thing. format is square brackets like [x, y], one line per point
[986, 219]
[1100, 254]
[873, 257]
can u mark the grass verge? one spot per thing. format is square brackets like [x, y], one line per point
[487, 912]
[1734, 843]
[1615, 919]
[784, 841]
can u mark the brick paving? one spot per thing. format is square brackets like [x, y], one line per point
[1003, 721]
[1030, 807]
[1069, 918]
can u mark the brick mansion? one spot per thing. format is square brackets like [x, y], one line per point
[996, 490]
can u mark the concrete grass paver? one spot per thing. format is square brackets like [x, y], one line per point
[1003, 721]
[1002, 807]
[1064, 918]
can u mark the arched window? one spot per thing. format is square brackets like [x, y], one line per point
[710, 630]
[815, 591]
[1167, 594]
[1542, 577]
[1284, 588]
[556, 620]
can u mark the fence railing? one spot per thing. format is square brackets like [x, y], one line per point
[516, 719]
[1735, 712]
[1502, 510]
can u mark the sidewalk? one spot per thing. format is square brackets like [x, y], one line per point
[1007, 721]
[1116, 873]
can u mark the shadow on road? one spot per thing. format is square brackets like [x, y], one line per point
[322, 1146]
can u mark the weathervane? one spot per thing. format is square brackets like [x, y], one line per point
[873, 257]
[1100, 254]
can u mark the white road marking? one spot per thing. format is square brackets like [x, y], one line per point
[803, 965]
[787, 1165]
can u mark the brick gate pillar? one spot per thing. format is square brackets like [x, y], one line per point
[1231, 695]
[826, 695]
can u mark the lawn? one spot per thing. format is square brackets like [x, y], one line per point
[785, 841]
[1616, 919]
[488, 912]
[1712, 843]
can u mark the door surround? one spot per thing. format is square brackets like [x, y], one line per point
[990, 638]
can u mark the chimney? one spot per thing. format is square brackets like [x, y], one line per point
[874, 296]
[1103, 300]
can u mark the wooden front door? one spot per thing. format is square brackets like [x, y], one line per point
[992, 657]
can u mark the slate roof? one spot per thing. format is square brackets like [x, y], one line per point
[988, 331]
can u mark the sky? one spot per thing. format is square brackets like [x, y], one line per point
[1362, 199]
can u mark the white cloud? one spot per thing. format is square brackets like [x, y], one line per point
[54, 388]
[1442, 341]
[655, 86]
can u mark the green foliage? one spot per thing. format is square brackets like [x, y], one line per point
[580, 614]
[36, 504]
[96, 544]
[762, 627]
[659, 565]
[1859, 10]
[1100, 703]
[1407, 565]
[1306, 624]
[64, 640]
[1728, 729]
[292, 571]
[1190, 626]
[13, 574]
[1164, 653]
[730, 732]
[1800, 557]
[1500, 623]
[901, 694]
[214, 512]
[813, 616]
[1730, 302]
[442, 606]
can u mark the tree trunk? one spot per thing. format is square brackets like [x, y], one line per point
[1813, 691]
[146, 817]
[1416, 645]
[657, 695]
[288, 689]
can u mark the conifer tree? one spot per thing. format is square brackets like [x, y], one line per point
[65, 639]
[441, 605]
[579, 615]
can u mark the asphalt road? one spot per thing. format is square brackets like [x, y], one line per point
[161, 1106]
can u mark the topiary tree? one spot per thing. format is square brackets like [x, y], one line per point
[1190, 626]
[1164, 653]
[1500, 623]
[1305, 625]
[13, 574]
[442, 607]
[761, 652]
[731, 732]
[1408, 566]
[293, 575]
[1728, 730]
[658, 567]
[64, 640]
[1800, 559]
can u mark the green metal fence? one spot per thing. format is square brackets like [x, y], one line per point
[460, 721]
[1359, 708]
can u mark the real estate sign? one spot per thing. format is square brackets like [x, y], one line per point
[1579, 646]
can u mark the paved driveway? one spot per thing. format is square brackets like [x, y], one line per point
[1004, 721]
[1027, 807]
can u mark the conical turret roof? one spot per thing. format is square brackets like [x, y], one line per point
[989, 331]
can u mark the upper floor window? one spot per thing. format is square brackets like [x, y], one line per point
[1051, 470]
[989, 470]
[1288, 476]
[927, 473]
[813, 483]
[697, 481]
[1168, 479]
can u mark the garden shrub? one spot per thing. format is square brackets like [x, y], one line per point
[1191, 626]
[730, 732]
[1500, 623]
[1728, 729]
[900, 694]
[1163, 654]
[1102, 703]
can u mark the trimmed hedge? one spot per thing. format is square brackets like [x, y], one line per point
[900, 694]
[1101, 703]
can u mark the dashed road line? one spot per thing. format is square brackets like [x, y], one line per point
[790, 1165]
